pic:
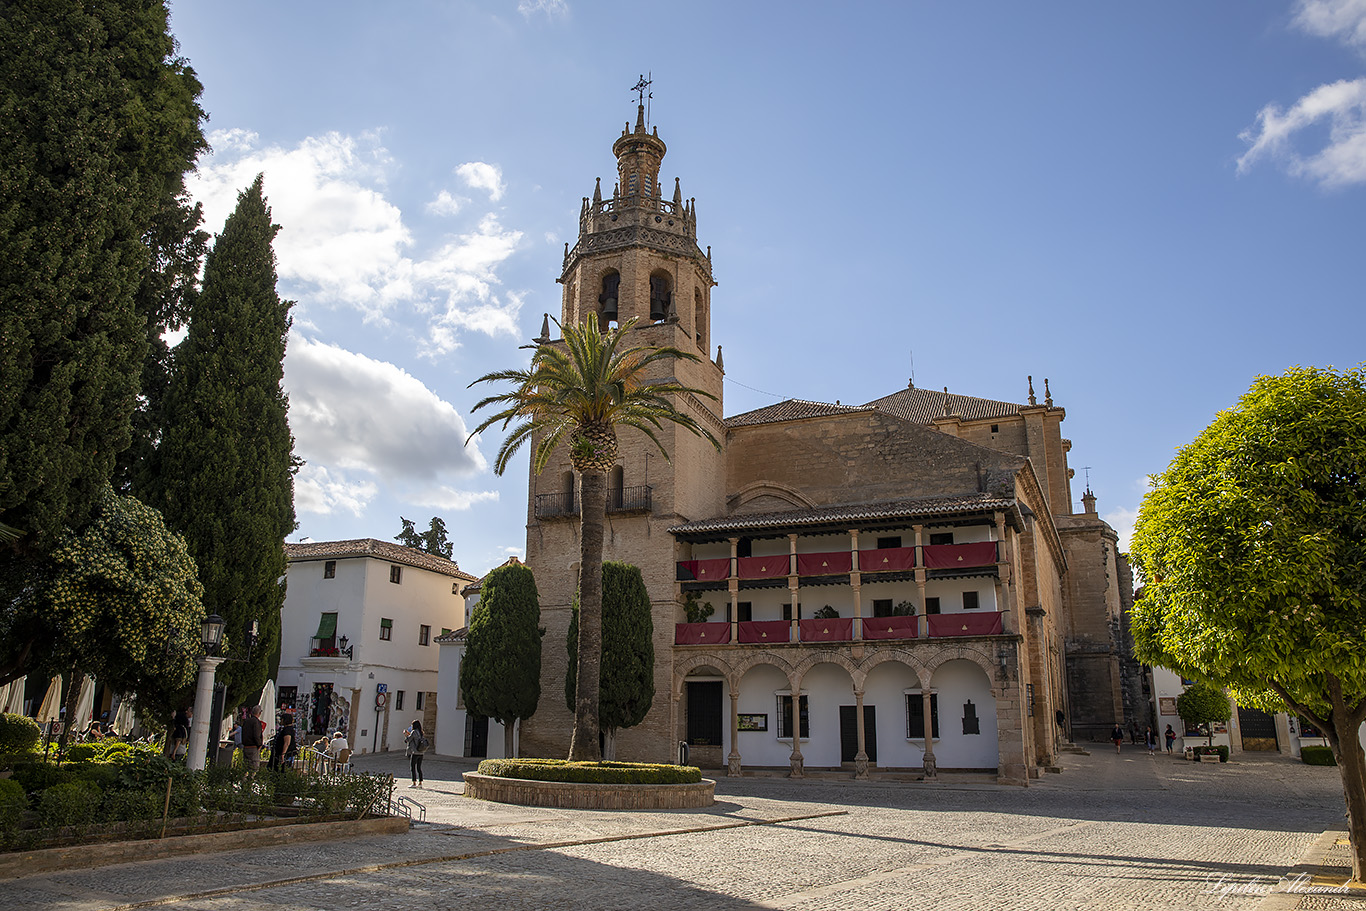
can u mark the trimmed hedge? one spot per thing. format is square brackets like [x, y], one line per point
[590, 772]
[1204, 750]
[18, 734]
[1318, 756]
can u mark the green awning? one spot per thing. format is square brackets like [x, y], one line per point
[385, 623]
[327, 628]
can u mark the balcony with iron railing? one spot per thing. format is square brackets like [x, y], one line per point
[935, 558]
[619, 500]
[840, 629]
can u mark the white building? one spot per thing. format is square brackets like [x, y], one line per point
[358, 635]
[458, 732]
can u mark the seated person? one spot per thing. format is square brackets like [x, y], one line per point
[337, 744]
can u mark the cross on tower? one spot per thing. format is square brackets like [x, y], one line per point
[640, 89]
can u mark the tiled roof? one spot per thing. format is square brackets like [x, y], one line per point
[924, 405]
[380, 550]
[849, 512]
[790, 410]
[455, 635]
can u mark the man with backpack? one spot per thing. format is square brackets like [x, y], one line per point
[417, 744]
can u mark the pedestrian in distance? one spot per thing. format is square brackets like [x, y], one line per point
[253, 738]
[1117, 735]
[1150, 738]
[1171, 737]
[417, 744]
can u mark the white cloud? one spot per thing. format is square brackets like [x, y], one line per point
[1341, 106]
[449, 498]
[479, 175]
[343, 242]
[1122, 521]
[363, 424]
[1341, 19]
[551, 9]
[446, 204]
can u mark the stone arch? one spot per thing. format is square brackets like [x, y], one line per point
[789, 497]
[899, 655]
[758, 657]
[662, 284]
[685, 666]
[856, 674]
[973, 653]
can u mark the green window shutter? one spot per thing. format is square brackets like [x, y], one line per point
[385, 623]
[327, 628]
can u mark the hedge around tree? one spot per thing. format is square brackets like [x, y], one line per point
[590, 772]
[18, 734]
[1317, 756]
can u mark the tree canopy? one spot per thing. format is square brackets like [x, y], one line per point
[579, 391]
[500, 675]
[101, 122]
[1252, 544]
[432, 541]
[1201, 705]
[226, 478]
[626, 685]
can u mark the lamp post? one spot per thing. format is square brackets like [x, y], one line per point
[211, 637]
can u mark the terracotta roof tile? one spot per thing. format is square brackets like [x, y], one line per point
[924, 405]
[791, 410]
[380, 550]
[850, 512]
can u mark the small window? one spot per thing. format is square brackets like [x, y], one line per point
[386, 629]
[889, 541]
[931, 605]
[945, 537]
[787, 612]
[398, 701]
[330, 569]
[882, 607]
[995, 428]
[785, 718]
[424, 637]
[970, 601]
[915, 716]
[420, 694]
[744, 611]
[744, 548]
[396, 574]
[455, 588]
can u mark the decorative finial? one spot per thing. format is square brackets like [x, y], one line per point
[1032, 400]
[719, 365]
[545, 327]
[566, 254]
[597, 191]
[640, 88]
[678, 193]
[947, 410]
[1047, 396]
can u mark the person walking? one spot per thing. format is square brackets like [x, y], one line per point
[1150, 738]
[253, 738]
[1117, 735]
[417, 744]
[180, 732]
[1171, 737]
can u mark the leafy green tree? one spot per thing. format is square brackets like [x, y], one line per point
[500, 675]
[120, 601]
[226, 478]
[1253, 547]
[626, 685]
[578, 392]
[432, 541]
[100, 116]
[1202, 705]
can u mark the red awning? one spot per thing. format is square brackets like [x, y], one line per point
[886, 559]
[890, 627]
[701, 633]
[835, 629]
[704, 570]
[965, 624]
[958, 556]
[763, 567]
[824, 564]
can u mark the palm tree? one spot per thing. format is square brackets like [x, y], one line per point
[580, 392]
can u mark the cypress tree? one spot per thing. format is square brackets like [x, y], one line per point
[101, 120]
[227, 459]
[500, 675]
[626, 683]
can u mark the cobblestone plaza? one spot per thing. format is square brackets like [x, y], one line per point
[1111, 831]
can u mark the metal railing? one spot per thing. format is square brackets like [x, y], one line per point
[629, 499]
[626, 499]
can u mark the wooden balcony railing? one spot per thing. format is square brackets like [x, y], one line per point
[841, 629]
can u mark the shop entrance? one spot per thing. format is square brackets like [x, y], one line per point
[849, 732]
[1258, 729]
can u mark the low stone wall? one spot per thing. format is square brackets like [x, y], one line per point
[572, 795]
[52, 860]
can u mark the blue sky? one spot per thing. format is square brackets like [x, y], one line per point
[1148, 205]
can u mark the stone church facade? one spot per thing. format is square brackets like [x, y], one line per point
[895, 586]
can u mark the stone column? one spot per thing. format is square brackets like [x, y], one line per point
[733, 584]
[798, 768]
[793, 587]
[733, 760]
[931, 769]
[922, 622]
[861, 758]
[203, 703]
[856, 583]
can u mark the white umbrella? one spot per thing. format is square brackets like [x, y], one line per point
[85, 705]
[51, 709]
[15, 705]
[123, 718]
[268, 710]
[4, 696]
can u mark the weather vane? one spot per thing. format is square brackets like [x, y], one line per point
[643, 93]
[1087, 469]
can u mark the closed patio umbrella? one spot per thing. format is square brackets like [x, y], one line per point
[268, 710]
[85, 705]
[51, 709]
[123, 718]
[15, 704]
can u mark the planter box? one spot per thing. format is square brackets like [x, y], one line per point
[1210, 757]
[573, 795]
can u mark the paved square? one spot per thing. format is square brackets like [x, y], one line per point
[1112, 831]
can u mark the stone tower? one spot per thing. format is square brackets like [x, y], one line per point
[636, 258]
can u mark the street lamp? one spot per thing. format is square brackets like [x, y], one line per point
[211, 633]
[344, 649]
[211, 638]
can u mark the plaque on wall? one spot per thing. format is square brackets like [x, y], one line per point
[753, 722]
[1166, 705]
